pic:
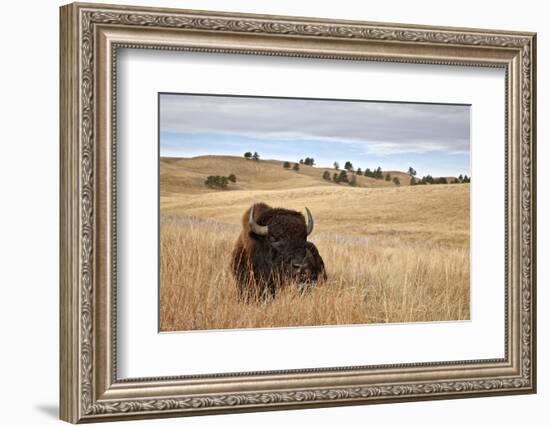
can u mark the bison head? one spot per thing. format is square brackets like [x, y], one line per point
[283, 235]
[272, 251]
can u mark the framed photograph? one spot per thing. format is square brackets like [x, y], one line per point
[267, 212]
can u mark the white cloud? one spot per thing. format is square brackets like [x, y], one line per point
[373, 127]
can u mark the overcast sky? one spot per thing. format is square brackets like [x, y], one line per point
[432, 138]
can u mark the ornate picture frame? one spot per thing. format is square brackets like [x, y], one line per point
[90, 37]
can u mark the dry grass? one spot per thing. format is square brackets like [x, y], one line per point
[393, 254]
[369, 282]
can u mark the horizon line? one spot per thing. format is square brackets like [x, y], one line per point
[303, 164]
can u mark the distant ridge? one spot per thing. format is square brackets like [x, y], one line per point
[187, 175]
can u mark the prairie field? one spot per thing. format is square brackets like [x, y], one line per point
[392, 253]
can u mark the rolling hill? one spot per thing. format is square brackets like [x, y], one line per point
[187, 175]
[436, 213]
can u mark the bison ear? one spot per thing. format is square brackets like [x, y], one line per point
[260, 230]
[309, 222]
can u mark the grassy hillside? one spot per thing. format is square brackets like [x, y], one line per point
[392, 253]
[187, 175]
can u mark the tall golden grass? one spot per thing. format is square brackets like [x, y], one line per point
[369, 281]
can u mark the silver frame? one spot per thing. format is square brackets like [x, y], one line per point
[90, 37]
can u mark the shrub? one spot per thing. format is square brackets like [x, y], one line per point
[211, 181]
[247, 155]
[396, 180]
[348, 166]
[326, 175]
[388, 177]
[428, 179]
[359, 172]
[256, 156]
[217, 181]
[286, 165]
[343, 177]
[296, 167]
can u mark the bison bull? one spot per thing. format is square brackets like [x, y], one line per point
[273, 250]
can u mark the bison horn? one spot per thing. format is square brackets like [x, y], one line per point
[309, 222]
[260, 230]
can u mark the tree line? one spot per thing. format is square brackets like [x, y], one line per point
[374, 173]
[349, 173]
[428, 179]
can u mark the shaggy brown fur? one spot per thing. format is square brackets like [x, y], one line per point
[263, 264]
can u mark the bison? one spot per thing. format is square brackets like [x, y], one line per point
[272, 250]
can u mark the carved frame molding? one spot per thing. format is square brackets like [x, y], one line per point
[90, 390]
